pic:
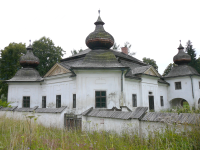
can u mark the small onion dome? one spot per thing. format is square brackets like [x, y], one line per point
[99, 39]
[181, 57]
[29, 60]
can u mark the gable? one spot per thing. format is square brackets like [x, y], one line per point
[152, 71]
[56, 70]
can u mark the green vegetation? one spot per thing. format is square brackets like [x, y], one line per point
[184, 109]
[151, 62]
[16, 134]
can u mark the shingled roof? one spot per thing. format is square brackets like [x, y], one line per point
[104, 113]
[182, 70]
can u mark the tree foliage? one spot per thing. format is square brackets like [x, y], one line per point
[9, 65]
[74, 52]
[48, 53]
[168, 69]
[191, 51]
[151, 62]
[115, 47]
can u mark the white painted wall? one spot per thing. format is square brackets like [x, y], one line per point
[109, 124]
[186, 91]
[45, 119]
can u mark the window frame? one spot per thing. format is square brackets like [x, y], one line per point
[44, 102]
[29, 101]
[177, 86]
[100, 99]
[134, 101]
[74, 101]
[161, 101]
[58, 101]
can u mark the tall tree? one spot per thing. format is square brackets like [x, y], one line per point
[151, 62]
[168, 69]
[48, 53]
[74, 52]
[128, 45]
[191, 51]
[9, 65]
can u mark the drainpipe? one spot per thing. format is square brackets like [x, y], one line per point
[122, 81]
[192, 87]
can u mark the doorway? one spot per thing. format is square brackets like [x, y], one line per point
[151, 103]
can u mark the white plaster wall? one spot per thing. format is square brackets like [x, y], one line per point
[56, 85]
[109, 124]
[186, 89]
[162, 90]
[196, 88]
[89, 81]
[45, 119]
[150, 84]
[131, 87]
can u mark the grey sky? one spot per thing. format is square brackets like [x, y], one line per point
[153, 27]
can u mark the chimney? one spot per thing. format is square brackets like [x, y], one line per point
[125, 50]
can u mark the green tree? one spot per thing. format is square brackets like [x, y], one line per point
[9, 64]
[198, 65]
[150, 62]
[168, 69]
[74, 52]
[48, 53]
[191, 51]
[115, 47]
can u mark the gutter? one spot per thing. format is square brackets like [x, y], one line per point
[192, 87]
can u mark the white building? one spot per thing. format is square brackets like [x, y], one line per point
[100, 77]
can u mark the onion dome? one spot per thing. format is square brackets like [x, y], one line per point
[29, 60]
[99, 39]
[181, 58]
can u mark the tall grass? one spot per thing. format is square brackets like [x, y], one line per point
[15, 134]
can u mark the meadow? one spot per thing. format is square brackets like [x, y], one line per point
[24, 135]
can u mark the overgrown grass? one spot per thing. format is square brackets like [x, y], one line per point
[182, 109]
[15, 134]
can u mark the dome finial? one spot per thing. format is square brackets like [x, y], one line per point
[30, 42]
[99, 12]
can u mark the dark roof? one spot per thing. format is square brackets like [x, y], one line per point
[104, 113]
[7, 108]
[162, 81]
[182, 70]
[50, 110]
[26, 75]
[183, 118]
[26, 109]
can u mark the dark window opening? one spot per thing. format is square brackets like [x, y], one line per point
[74, 100]
[43, 101]
[26, 101]
[150, 92]
[100, 97]
[161, 101]
[58, 101]
[177, 85]
[199, 85]
[134, 98]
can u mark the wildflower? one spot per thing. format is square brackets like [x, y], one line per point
[77, 144]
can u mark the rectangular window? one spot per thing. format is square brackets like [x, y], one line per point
[199, 85]
[74, 100]
[100, 97]
[161, 101]
[43, 101]
[58, 101]
[26, 101]
[134, 99]
[177, 85]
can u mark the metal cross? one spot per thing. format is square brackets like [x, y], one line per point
[30, 42]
